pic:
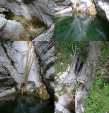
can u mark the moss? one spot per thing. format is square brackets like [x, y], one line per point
[104, 52]
[8, 14]
[64, 52]
[98, 100]
[42, 92]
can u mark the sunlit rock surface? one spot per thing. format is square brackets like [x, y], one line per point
[34, 16]
[103, 8]
[37, 8]
[19, 49]
[13, 60]
[11, 29]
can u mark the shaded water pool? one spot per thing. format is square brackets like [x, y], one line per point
[80, 28]
[27, 104]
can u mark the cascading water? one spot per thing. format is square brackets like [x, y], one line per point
[81, 26]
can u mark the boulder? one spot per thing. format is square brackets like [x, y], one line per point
[11, 29]
[102, 7]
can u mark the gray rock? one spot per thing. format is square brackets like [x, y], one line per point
[13, 29]
[103, 8]
[50, 73]
[37, 8]
[2, 15]
[2, 9]
[46, 36]
[3, 22]
[10, 29]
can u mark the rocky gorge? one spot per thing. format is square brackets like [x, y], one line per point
[28, 55]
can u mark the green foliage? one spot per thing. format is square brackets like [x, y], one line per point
[65, 49]
[104, 52]
[64, 52]
[98, 99]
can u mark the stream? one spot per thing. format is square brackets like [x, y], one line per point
[27, 104]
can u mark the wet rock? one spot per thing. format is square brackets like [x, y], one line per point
[7, 92]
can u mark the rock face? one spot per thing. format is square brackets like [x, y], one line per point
[38, 8]
[18, 59]
[32, 63]
[14, 57]
[21, 61]
[103, 8]
[44, 48]
[13, 60]
[18, 18]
